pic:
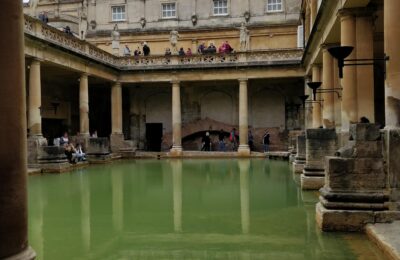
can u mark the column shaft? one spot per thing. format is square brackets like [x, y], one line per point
[116, 108]
[34, 100]
[314, 11]
[349, 81]
[84, 105]
[316, 77]
[365, 74]
[243, 116]
[176, 117]
[328, 113]
[392, 49]
[13, 158]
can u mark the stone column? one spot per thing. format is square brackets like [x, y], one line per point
[392, 49]
[300, 159]
[307, 28]
[392, 100]
[349, 81]
[319, 143]
[13, 158]
[365, 74]
[116, 137]
[176, 119]
[34, 100]
[316, 77]
[84, 105]
[336, 99]
[328, 113]
[243, 118]
[244, 166]
[314, 11]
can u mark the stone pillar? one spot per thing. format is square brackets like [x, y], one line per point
[336, 99]
[328, 112]
[355, 192]
[365, 74]
[307, 24]
[314, 11]
[177, 193]
[34, 99]
[116, 137]
[316, 77]
[35, 140]
[84, 105]
[300, 159]
[392, 49]
[392, 100]
[13, 158]
[319, 143]
[349, 81]
[176, 120]
[243, 119]
[244, 166]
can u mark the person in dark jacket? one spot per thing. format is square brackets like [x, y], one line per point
[146, 49]
[206, 141]
[266, 141]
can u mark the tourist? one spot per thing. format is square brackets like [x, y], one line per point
[146, 49]
[67, 30]
[201, 48]
[233, 139]
[167, 52]
[43, 17]
[127, 51]
[266, 141]
[250, 140]
[94, 134]
[364, 120]
[206, 142]
[211, 48]
[79, 154]
[221, 139]
[181, 52]
[189, 52]
[69, 151]
[64, 139]
[227, 47]
[137, 52]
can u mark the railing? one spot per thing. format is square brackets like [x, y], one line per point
[41, 31]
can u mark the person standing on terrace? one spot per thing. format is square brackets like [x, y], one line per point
[146, 49]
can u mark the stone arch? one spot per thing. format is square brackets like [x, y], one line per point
[217, 105]
[267, 108]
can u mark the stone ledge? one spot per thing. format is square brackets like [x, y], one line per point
[386, 237]
[311, 183]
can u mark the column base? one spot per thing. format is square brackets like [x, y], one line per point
[118, 143]
[27, 254]
[312, 179]
[298, 166]
[35, 142]
[243, 150]
[176, 151]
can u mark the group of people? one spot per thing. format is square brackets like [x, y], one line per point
[74, 153]
[224, 48]
[145, 50]
[234, 140]
[43, 17]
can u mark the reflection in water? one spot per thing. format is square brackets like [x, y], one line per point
[173, 209]
[244, 166]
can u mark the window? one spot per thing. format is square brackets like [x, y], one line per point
[169, 10]
[274, 5]
[118, 13]
[220, 7]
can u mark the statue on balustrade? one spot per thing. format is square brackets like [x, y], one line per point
[173, 39]
[244, 38]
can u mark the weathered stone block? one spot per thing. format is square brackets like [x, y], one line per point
[312, 182]
[342, 220]
[372, 149]
[99, 146]
[48, 154]
[365, 132]
[301, 146]
[321, 134]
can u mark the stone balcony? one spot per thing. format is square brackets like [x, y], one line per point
[39, 31]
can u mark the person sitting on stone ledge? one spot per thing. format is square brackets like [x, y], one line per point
[94, 134]
[64, 139]
[69, 151]
[79, 154]
[364, 120]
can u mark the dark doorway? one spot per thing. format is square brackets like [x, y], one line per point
[154, 136]
[52, 128]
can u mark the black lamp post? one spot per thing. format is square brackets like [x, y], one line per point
[314, 86]
[303, 99]
[342, 52]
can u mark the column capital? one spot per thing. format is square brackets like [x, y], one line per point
[355, 12]
[36, 60]
[84, 75]
[175, 83]
[241, 80]
[116, 84]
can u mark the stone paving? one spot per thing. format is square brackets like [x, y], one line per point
[387, 237]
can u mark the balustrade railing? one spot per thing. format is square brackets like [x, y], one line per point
[37, 29]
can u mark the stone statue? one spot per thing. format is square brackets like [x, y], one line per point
[173, 39]
[83, 23]
[115, 40]
[244, 38]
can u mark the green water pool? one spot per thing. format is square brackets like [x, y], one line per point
[182, 209]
